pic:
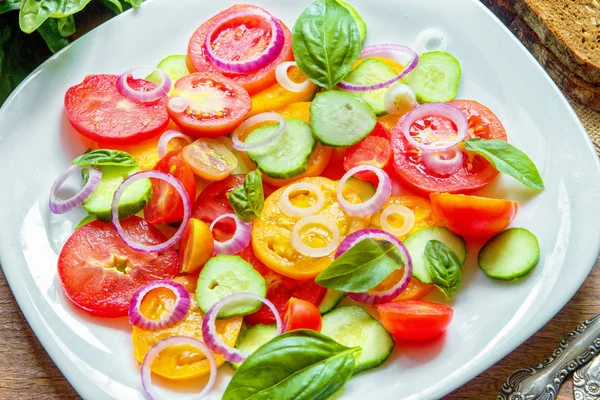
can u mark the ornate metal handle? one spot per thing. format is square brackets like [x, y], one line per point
[542, 381]
[586, 381]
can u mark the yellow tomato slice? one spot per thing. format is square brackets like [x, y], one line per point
[271, 234]
[196, 246]
[421, 207]
[209, 159]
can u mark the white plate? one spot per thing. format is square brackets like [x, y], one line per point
[491, 318]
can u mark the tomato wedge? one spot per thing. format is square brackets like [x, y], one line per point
[241, 38]
[300, 314]
[215, 104]
[100, 273]
[415, 320]
[209, 159]
[97, 110]
[475, 173]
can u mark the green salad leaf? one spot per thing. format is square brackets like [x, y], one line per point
[248, 201]
[444, 267]
[103, 157]
[9, 5]
[51, 32]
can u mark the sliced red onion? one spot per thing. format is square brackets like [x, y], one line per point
[289, 209]
[239, 240]
[375, 297]
[155, 350]
[388, 51]
[408, 219]
[209, 331]
[166, 138]
[59, 206]
[178, 104]
[449, 111]
[374, 204]
[444, 162]
[246, 66]
[170, 318]
[281, 74]
[399, 99]
[149, 96]
[257, 119]
[316, 252]
[187, 210]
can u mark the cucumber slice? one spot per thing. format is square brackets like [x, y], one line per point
[416, 243]
[85, 221]
[287, 156]
[510, 254]
[174, 66]
[363, 189]
[341, 119]
[223, 276]
[370, 72]
[436, 77]
[360, 23]
[330, 301]
[254, 337]
[134, 199]
[353, 326]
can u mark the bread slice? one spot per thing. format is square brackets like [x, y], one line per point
[570, 29]
[504, 10]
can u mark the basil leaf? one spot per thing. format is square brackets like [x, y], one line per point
[105, 157]
[326, 42]
[298, 365]
[444, 267]
[114, 5]
[50, 32]
[248, 201]
[66, 26]
[507, 159]
[134, 3]
[362, 267]
[35, 12]
[9, 5]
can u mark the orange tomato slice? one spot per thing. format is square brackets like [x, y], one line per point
[421, 207]
[210, 159]
[196, 246]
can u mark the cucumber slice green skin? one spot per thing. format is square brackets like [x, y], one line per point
[436, 77]
[370, 72]
[174, 66]
[416, 243]
[223, 276]
[360, 23]
[251, 338]
[509, 255]
[341, 119]
[353, 326]
[330, 301]
[287, 156]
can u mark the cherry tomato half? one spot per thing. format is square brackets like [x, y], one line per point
[196, 246]
[415, 320]
[300, 314]
[209, 159]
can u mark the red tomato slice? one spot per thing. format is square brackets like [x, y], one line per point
[415, 320]
[372, 150]
[335, 168]
[476, 171]
[216, 105]
[300, 314]
[100, 273]
[166, 205]
[239, 39]
[97, 110]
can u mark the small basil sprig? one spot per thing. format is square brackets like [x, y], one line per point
[507, 159]
[298, 365]
[444, 267]
[326, 42]
[248, 201]
[362, 267]
[103, 157]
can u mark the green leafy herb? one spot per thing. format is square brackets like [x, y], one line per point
[134, 3]
[298, 365]
[248, 201]
[326, 42]
[9, 5]
[444, 267]
[35, 12]
[114, 5]
[507, 159]
[50, 31]
[102, 157]
[66, 26]
[362, 267]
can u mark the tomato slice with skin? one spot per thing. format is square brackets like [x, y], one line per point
[98, 111]
[166, 205]
[475, 173]
[415, 320]
[300, 314]
[415, 290]
[100, 273]
[215, 104]
[372, 150]
[196, 246]
[243, 39]
[209, 159]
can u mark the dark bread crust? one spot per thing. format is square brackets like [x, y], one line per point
[504, 10]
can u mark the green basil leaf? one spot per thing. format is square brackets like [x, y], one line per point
[66, 26]
[326, 42]
[362, 267]
[9, 5]
[444, 267]
[298, 365]
[35, 12]
[50, 32]
[114, 5]
[507, 159]
[248, 201]
[105, 157]
[134, 3]
[239, 202]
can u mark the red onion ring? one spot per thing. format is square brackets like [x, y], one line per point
[179, 311]
[449, 111]
[157, 93]
[187, 210]
[374, 204]
[209, 331]
[374, 297]
[166, 138]
[178, 104]
[155, 350]
[387, 51]
[434, 162]
[262, 60]
[281, 74]
[58, 206]
[239, 240]
[256, 119]
[316, 252]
